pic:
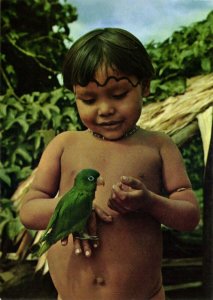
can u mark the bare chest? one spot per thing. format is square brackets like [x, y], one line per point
[113, 161]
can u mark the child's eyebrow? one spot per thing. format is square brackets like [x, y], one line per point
[117, 79]
[86, 93]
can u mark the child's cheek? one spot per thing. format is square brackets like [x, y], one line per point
[87, 119]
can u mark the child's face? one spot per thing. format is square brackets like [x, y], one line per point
[110, 106]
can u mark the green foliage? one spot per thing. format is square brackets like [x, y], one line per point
[33, 106]
[187, 53]
[10, 225]
[26, 125]
[33, 36]
[192, 153]
[193, 156]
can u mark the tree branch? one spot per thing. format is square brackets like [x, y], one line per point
[33, 55]
[8, 82]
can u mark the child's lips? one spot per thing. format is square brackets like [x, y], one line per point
[111, 124]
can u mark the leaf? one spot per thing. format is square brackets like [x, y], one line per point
[14, 227]
[11, 102]
[5, 203]
[10, 70]
[154, 85]
[46, 112]
[53, 108]
[47, 135]
[25, 155]
[3, 224]
[4, 177]
[56, 95]
[3, 110]
[20, 121]
[43, 97]
[206, 64]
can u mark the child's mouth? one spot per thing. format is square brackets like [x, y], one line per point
[111, 124]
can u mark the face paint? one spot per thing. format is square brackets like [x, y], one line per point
[116, 79]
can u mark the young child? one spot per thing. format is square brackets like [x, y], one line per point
[110, 71]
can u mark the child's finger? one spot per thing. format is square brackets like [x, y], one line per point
[77, 246]
[102, 214]
[132, 182]
[64, 241]
[114, 205]
[86, 248]
[92, 228]
[118, 193]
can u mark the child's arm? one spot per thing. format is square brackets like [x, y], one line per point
[40, 201]
[179, 210]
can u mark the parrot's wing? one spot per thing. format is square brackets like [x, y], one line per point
[78, 211]
[54, 216]
[74, 214]
[71, 215]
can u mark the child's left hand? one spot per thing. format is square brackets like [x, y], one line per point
[129, 195]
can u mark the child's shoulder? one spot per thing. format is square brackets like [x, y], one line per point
[67, 135]
[64, 138]
[157, 138]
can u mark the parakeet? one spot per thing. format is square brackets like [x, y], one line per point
[72, 211]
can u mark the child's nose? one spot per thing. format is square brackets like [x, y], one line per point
[106, 109]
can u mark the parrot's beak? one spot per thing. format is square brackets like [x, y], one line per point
[100, 181]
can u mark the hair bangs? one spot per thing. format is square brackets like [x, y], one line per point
[87, 63]
[82, 63]
[107, 48]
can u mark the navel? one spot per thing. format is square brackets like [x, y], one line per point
[99, 280]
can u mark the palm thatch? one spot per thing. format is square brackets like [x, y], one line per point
[179, 116]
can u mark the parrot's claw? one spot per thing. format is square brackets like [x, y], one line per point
[85, 236]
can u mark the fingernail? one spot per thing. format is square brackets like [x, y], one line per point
[113, 196]
[95, 245]
[77, 251]
[87, 253]
[125, 178]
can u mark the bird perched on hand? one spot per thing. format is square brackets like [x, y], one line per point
[72, 211]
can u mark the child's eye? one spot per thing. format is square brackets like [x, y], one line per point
[88, 101]
[120, 96]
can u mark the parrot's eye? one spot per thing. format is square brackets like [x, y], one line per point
[91, 178]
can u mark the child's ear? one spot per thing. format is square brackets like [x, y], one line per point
[145, 88]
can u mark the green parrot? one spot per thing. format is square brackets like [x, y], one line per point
[72, 211]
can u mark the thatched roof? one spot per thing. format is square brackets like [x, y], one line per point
[176, 113]
[181, 116]
[178, 116]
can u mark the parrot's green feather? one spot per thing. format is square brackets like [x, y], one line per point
[72, 211]
[44, 247]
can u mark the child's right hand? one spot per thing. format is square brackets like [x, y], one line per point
[86, 246]
[129, 195]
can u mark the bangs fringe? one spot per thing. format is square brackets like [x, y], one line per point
[105, 48]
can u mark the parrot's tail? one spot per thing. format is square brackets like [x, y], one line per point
[43, 248]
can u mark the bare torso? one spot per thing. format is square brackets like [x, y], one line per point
[127, 263]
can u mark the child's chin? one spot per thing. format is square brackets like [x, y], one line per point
[113, 137]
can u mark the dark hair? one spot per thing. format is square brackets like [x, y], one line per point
[111, 47]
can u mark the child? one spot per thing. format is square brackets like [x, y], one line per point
[110, 71]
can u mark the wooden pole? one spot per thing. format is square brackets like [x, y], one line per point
[208, 225]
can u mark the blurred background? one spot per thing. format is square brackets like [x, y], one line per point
[34, 107]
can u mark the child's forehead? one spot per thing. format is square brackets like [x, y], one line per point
[104, 75]
[112, 78]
